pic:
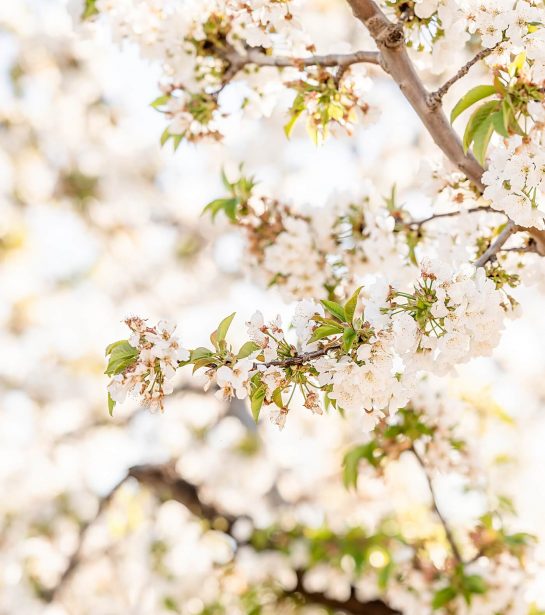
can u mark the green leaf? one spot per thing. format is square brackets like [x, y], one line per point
[113, 345]
[352, 459]
[90, 9]
[498, 122]
[200, 353]
[177, 139]
[224, 327]
[516, 66]
[277, 397]
[288, 128]
[256, 401]
[229, 207]
[335, 309]
[226, 183]
[324, 331]
[443, 597]
[122, 355]
[160, 101]
[247, 349]
[349, 335]
[165, 136]
[477, 118]
[351, 304]
[475, 584]
[481, 139]
[470, 98]
[111, 405]
[336, 111]
[204, 362]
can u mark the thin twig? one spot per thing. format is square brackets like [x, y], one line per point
[166, 484]
[444, 523]
[253, 56]
[496, 246]
[435, 98]
[457, 212]
[303, 358]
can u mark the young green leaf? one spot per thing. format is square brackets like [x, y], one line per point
[160, 101]
[349, 335]
[498, 122]
[111, 405]
[122, 355]
[480, 115]
[89, 9]
[324, 331]
[277, 397]
[229, 206]
[224, 327]
[351, 304]
[443, 597]
[165, 136]
[256, 401]
[288, 128]
[470, 98]
[481, 139]
[335, 309]
[247, 349]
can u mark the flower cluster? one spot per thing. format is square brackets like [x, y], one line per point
[364, 356]
[515, 181]
[458, 315]
[145, 364]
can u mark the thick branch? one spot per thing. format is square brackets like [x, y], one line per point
[395, 60]
[351, 605]
[166, 484]
[444, 523]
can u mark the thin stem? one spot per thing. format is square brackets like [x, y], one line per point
[435, 98]
[444, 523]
[237, 61]
[496, 246]
[301, 358]
[419, 223]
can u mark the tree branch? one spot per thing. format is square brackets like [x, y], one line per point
[490, 254]
[164, 482]
[253, 56]
[303, 358]
[351, 605]
[444, 523]
[435, 98]
[237, 61]
[419, 223]
[389, 39]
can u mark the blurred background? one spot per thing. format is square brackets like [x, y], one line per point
[98, 222]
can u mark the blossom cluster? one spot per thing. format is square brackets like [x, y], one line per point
[364, 356]
[145, 364]
[515, 181]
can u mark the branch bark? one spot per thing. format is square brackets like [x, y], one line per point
[389, 39]
[436, 97]
[165, 483]
[490, 254]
